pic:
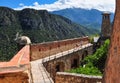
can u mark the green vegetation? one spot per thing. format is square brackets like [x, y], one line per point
[94, 64]
[8, 46]
[39, 25]
[86, 70]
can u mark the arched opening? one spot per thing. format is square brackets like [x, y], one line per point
[83, 56]
[59, 67]
[75, 63]
[85, 53]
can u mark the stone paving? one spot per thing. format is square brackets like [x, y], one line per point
[39, 73]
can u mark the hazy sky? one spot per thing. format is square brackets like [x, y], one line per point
[53, 5]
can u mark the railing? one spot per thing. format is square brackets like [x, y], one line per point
[41, 72]
[49, 78]
[63, 53]
[51, 81]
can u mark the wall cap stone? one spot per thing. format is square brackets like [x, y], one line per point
[64, 53]
[59, 40]
[79, 75]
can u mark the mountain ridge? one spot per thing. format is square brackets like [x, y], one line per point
[39, 25]
[88, 18]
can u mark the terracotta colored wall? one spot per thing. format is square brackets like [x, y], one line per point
[19, 77]
[62, 77]
[112, 68]
[49, 48]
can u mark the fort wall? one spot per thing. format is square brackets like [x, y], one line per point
[19, 77]
[64, 63]
[63, 77]
[42, 50]
[112, 68]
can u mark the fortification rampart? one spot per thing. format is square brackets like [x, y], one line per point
[67, 62]
[42, 50]
[63, 77]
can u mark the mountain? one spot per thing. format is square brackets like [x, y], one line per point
[39, 25]
[88, 18]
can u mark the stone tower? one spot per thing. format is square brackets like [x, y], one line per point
[106, 25]
[112, 68]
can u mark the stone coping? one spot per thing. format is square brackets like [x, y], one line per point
[58, 55]
[14, 69]
[21, 58]
[59, 40]
[79, 75]
[61, 54]
[20, 62]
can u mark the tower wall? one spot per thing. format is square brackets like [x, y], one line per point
[106, 25]
[112, 68]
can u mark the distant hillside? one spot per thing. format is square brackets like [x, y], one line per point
[39, 25]
[89, 18]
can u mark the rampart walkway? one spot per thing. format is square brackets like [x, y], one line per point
[39, 73]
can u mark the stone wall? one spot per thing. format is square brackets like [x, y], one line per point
[18, 69]
[112, 67]
[49, 48]
[20, 77]
[63, 77]
[106, 25]
[64, 63]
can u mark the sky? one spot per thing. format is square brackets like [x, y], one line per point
[55, 5]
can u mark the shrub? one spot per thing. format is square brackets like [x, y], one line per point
[94, 64]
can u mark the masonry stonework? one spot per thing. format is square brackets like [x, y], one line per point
[106, 25]
[19, 77]
[62, 77]
[69, 54]
[67, 62]
[43, 50]
[112, 69]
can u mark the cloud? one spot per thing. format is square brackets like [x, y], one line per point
[102, 5]
[36, 4]
[21, 4]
